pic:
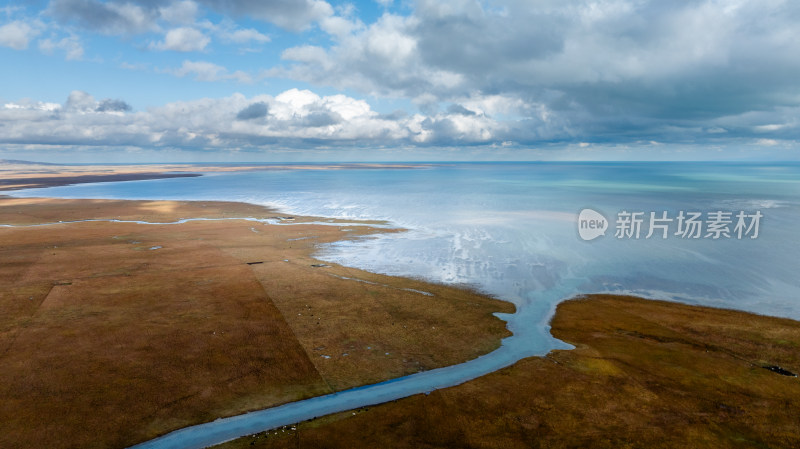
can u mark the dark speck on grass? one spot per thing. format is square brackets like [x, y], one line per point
[777, 369]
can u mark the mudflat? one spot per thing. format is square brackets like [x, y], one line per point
[644, 374]
[113, 333]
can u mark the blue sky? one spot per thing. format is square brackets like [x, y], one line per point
[288, 80]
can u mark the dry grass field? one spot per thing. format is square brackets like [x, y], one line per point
[114, 333]
[644, 374]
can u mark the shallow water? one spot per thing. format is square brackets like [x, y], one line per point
[511, 230]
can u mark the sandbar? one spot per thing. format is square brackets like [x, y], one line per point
[18, 175]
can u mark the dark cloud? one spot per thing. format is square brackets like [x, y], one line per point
[461, 110]
[462, 39]
[621, 69]
[253, 111]
[109, 105]
[394, 115]
[291, 14]
[319, 118]
[107, 18]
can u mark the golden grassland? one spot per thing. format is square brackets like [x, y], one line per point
[644, 374]
[114, 333]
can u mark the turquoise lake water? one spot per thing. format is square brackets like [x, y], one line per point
[511, 229]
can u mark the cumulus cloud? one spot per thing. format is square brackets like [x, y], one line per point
[184, 39]
[300, 118]
[17, 34]
[474, 71]
[619, 68]
[381, 59]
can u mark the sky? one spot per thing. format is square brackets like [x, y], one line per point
[383, 80]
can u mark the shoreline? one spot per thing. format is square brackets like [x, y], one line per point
[554, 316]
[16, 184]
[20, 175]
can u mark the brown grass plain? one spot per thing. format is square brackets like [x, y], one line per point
[114, 333]
[644, 374]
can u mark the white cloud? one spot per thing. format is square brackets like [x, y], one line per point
[309, 54]
[79, 101]
[33, 106]
[244, 36]
[767, 142]
[476, 71]
[295, 119]
[183, 39]
[300, 118]
[613, 68]
[339, 27]
[139, 66]
[17, 34]
[180, 12]
[71, 46]
[770, 127]
[381, 59]
[207, 71]
[296, 100]
[8, 11]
